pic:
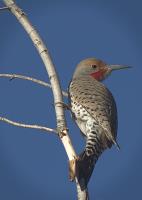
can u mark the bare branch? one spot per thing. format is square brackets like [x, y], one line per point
[43, 83]
[82, 195]
[55, 84]
[4, 8]
[33, 126]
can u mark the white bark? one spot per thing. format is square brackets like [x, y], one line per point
[57, 93]
[44, 54]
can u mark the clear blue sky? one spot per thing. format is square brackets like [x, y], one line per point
[33, 165]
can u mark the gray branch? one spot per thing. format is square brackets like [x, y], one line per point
[13, 76]
[4, 8]
[32, 126]
[57, 93]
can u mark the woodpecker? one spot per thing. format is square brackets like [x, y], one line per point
[94, 111]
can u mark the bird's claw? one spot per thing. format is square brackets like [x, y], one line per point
[64, 105]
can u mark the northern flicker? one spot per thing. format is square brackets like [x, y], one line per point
[94, 110]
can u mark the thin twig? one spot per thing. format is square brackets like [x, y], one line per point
[33, 126]
[4, 8]
[43, 83]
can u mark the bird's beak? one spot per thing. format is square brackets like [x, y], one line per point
[118, 67]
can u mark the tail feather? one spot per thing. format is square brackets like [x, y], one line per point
[85, 166]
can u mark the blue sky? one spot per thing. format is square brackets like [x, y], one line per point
[33, 165]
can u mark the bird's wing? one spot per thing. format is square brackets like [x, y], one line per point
[98, 102]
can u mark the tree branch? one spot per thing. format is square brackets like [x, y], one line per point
[82, 195]
[57, 93]
[4, 8]
[13, 76]
[33, 126]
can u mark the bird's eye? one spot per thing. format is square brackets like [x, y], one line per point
[94, 66]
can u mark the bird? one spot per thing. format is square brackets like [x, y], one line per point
[94, 110]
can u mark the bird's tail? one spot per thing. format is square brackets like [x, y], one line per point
[85, 165]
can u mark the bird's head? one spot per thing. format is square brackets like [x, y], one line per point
[96, 69]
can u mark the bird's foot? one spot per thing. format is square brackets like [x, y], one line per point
[64, 105]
